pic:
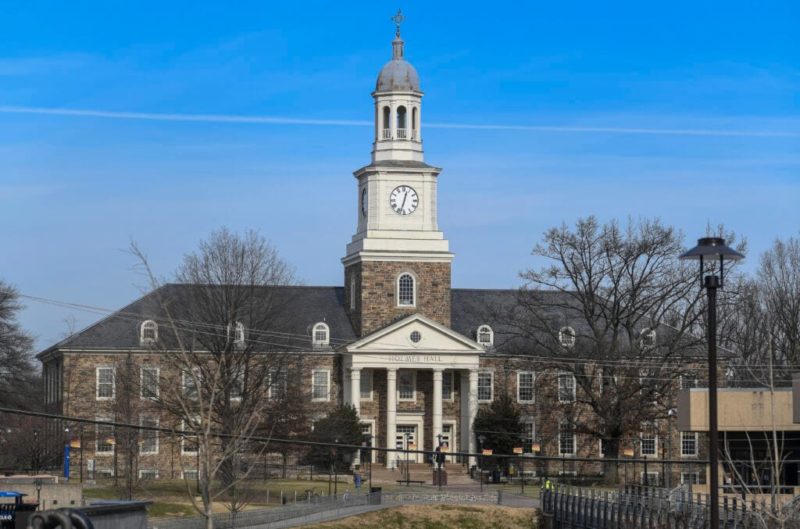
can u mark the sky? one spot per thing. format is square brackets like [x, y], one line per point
[159, 122]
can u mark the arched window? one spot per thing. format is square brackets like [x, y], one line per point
[485, 336]
[402, 132]
[238, 334]
[566, 337]
[406, 290]
[387, 126]
[414, 120]
[320, 334]
[148, 332]
[648, 338]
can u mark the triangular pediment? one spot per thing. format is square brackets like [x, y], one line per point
[397, 337]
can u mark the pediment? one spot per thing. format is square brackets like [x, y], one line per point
[397, 337]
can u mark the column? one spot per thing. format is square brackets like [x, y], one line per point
[393, 120]
[391, 414]
[355, 399]
[437, 406]
[472, 408]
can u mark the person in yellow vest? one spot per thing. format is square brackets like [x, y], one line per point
[548, 485]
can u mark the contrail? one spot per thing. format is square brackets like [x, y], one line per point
[282, 120]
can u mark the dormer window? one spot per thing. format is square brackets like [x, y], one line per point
[566, 337]
[148, 332]
[406, 290]
[238, 334]
[320, 334]
[485, 336]
[648, 338]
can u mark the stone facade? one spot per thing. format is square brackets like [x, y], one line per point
[376, 293]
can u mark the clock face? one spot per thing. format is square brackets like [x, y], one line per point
[404, 200]
[364, 202]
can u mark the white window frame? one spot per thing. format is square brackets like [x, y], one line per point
[647, 338]
[413, 290]
[237, 387]
[366, 374]
[574, 443]
[448, 375]
[491, 386]
[684, 475]
[143, 340]
[320, 326]
[113, 382]
[97, 431]
[567, 337]
[185, 452]
[155, 432]
[529, 425]
[327, 396]
[413, 374]
[574, 387]
[187, 376]
[278, 384]
[653, 477]
[485, 330]
[692, 377]
[654, 435]
[142, 383]
[696, 451]
[533, 387]
[238, 334]
[185, 475]
[143, 471]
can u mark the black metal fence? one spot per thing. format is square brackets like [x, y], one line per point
[634, 507]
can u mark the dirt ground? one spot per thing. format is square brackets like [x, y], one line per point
[438, 517]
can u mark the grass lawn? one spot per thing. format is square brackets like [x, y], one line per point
[438, 517]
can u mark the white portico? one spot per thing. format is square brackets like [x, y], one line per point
[417, 360]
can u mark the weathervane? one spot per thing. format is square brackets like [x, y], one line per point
[398, 19]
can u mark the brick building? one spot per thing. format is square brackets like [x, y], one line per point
[414, 356]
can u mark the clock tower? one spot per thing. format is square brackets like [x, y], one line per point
[398, 262]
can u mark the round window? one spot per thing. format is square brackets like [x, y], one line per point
[416, 336]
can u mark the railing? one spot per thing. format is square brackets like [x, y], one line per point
[402, 134]
[386, 134]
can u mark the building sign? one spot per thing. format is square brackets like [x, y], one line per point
[517, 449]
[487, 451]
[415, 359]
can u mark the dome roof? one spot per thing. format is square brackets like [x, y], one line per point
[397, 74]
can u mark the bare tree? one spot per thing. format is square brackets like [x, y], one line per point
[221, 354]
[616, 309]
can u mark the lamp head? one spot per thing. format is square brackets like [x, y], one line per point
[712, 249]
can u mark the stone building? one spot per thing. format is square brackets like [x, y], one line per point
[414, 356]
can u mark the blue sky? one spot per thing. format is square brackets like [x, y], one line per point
[703, 97]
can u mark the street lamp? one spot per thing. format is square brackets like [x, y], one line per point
[35, 451]
[711, 249]
[439, 459]
[408, 468]
[481, 440]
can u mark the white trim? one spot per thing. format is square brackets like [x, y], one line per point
[647, 338]
[654, 435]
[485, 329]
[320, 326]
[469, 344]
[189, 471]
[185, 452]
[567, 337]
[413, 373]
[413, 277]
[97, 382]
[696, 447]
[148, 341]
[148, 471]
[574, 387]
[491, 385]
[327, 396]
[533, 387]
[141, 382]
[574, 440]
[238, 334]
[454, 444]
[197, 378]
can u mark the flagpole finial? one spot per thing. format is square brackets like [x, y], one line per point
[398, 19]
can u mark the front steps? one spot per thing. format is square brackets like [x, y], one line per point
[457, 474]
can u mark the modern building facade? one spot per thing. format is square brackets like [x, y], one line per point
[416, 357]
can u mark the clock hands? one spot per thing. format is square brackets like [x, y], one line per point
[403, 205]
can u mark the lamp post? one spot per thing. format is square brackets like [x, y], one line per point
[335, 470]
[35, 451]
[408, 468]
[439, 459]
[711, 250]
[481, 440]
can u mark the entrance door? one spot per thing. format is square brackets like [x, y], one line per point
[406, 438]
[366, 433]
[449, 439]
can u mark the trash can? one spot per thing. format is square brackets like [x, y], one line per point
[375, 495]
[13, 512]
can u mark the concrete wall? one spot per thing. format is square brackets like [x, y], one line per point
[739, 409]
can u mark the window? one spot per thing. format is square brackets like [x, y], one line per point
[320, 390]
[352, 293]
[648, 338]
[566, 439]
[688, 444]
[106, 385]
[188, 442]
[690, 478]
[237, 386]
[652, 478]
[104, 437]
[366, 384]
[190, 475]
[529, 435]
[238, 335]
[321, 334]
[406, 385]
[405, 290]
[485, 336]
[688, 380]
[525, 385]
[415, 336]
[278, 383]
[149, 383]
[150, 473]
[566, 387]
[148, 333]
[649, 442]
[485, 386]
[447, 385]
[566, 337]
[148, 439]
[190, 382]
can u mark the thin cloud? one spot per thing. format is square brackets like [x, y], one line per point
[282, 120]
